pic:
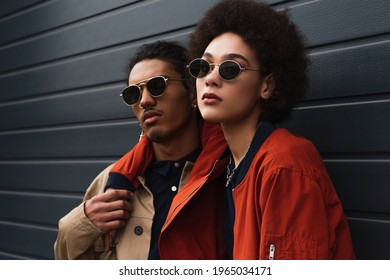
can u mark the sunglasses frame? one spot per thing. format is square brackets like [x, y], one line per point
[212, 66]
[145, 82]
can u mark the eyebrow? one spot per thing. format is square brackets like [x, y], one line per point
[138, 83]
[145, 80]
[230, 56]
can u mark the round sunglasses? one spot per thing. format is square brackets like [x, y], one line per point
[228, 70]
[156, 86]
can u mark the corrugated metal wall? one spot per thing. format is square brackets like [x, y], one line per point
[61, 120]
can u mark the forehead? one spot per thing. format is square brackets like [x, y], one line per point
[226, 45]
[149, 68]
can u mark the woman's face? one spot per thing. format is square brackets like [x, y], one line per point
[236, 100]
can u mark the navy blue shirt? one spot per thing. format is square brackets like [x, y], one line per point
[163, 178]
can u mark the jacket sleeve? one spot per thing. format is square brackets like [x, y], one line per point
[124, 173]
[77, 236]
[302, 218]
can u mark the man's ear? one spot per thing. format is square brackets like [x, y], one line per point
[267, 87]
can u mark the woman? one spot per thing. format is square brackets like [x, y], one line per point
[250, 64]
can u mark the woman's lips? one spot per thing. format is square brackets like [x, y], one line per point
[211, 98]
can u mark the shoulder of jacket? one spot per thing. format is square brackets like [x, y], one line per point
[98, 184]
[288, 142]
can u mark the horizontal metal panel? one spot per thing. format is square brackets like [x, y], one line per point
[326, 22]
[350, 71]
[36, 208]
[362, 185]
[319, 17]
[345, 128]
[87, 71]
[8, 256]
[149, 18]
[103, 140]
[65, 176]
[52, 15]
[93, 104]
[34, 241]
[370, 238]
[9, 7]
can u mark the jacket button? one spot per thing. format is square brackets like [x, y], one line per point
[138, 230]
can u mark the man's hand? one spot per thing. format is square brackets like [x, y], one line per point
[110, 210]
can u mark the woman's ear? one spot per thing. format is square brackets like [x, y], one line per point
[267, 87]
[194, 104]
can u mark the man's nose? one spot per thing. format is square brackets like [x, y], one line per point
[146, 98]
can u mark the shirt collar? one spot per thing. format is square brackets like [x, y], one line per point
[162, 167]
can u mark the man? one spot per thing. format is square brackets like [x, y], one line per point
[174, 167]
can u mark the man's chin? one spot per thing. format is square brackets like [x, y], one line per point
[154, 135]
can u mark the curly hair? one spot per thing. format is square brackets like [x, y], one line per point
[171, 52]
[276, 40]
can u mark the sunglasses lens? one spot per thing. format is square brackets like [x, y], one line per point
[229, 70]
[131, 95]
[199, 68]
[156, 86]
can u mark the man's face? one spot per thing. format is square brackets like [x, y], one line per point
[163, 117]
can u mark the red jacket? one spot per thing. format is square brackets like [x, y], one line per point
[286, 206]
[193, 229]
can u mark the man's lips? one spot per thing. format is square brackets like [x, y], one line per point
[149, 117]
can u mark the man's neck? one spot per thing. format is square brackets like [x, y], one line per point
[179, 145]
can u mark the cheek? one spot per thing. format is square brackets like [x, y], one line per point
[136, 111]
[247, 92]
[241, 100]
[199, 90]
[179, 106]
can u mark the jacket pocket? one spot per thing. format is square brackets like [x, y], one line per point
[282, 247]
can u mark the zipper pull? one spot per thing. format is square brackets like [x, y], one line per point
[271, 251]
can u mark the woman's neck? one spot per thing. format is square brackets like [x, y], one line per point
[239, 136]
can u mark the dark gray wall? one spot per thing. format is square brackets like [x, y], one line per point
[61, 119]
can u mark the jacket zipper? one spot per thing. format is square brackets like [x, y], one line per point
[272, 252]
